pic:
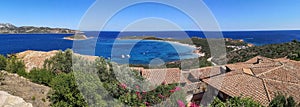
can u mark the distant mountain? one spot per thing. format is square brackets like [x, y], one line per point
[7, 28]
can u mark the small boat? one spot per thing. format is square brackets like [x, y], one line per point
[128, 56]
[123, 56]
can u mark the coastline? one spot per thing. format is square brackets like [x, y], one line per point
[188, 45]
[196, 50]
[35, 33]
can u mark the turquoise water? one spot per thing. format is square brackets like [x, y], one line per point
[120, 51]
[131, 51]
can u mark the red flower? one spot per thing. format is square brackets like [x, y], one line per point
[180, 103]
[139, 95]
[122, 85]
[144, 92]
[160, 96]
[194, 105]
[164, 83]
[177, 89]
[172, 91]
[137, 87]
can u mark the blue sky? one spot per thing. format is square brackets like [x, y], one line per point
[230, 14]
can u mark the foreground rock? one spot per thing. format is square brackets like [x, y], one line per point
[18, 86]
[7, 100]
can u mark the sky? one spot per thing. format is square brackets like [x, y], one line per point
[231, 15]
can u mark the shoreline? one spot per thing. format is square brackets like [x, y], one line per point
[74, 39]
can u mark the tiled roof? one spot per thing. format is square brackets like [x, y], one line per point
[287, 89]
[240, 84]
[269, 77]
[206, 72]
[158, 76]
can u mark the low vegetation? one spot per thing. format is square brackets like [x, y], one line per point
[290, 50]
[282, 101]
[99, 85]
[235, 102]
[2, 62]
[279, 101]
[59, 75]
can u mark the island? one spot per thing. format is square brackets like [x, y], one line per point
[77, 36]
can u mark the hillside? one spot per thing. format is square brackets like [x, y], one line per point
[290, 50]
[6, 28]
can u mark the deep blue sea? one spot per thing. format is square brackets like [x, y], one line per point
[136, 52]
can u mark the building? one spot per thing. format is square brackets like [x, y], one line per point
[259, 78]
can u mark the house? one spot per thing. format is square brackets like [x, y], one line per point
[259, 78]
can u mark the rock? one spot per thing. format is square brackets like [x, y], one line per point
[24, 88]
[7, 100]
[35, 59]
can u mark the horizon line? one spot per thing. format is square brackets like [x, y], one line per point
[193, 30]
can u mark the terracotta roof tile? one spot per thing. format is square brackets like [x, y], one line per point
[240, 84]
[270, 76]
[158, 76]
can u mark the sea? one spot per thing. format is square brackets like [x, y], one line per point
[106, 44]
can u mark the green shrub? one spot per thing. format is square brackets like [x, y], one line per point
[2, 77]
[43, 99]
[2, 62]
[235, 102]
[61, 62]
[41, 76]
[33, 98]
[65, 92]
[281, 101]
[15, 65]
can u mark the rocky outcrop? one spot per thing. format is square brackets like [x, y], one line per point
[9, 28]
[35, 59]
[8, 100]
